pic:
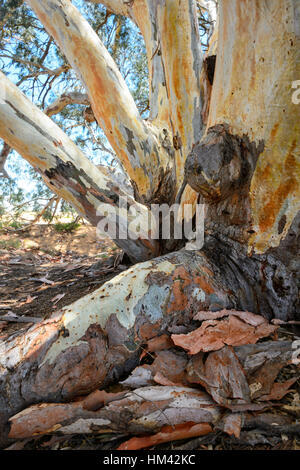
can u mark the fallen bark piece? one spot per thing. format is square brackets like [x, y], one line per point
[231, 424]
[99, 398]
[44, 280]
[241, 408]
[164, 405]
[214, 334]
[167, 434]
[222, 376]
[277, 321]
[254, 356]
[3, 324]
[273, 430]
[16, 319]
[269, 419]
[42, 419]
[141, 411]
[247, 317]
[78, 416]
[149, 330]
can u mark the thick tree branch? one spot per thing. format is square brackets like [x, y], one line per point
[136, 143]
[64, 168]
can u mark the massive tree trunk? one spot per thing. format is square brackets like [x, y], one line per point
[223, 130]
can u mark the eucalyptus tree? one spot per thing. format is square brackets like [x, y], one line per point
[222, 131]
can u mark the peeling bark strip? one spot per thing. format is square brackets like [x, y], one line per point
[63, 166]
[257, 61]
[97, 339]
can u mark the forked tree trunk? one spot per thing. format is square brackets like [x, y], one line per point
[229, 135]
